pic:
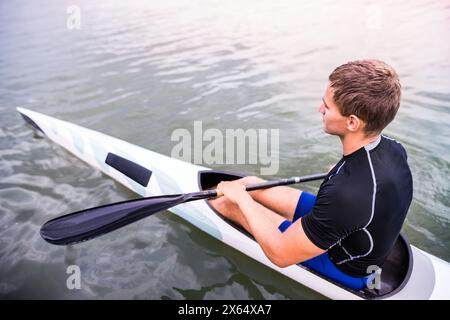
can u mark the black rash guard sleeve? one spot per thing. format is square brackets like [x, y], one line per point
[334, 215]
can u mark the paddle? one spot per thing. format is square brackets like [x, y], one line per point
[90, 223]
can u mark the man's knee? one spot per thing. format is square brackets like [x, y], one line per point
[222, 204]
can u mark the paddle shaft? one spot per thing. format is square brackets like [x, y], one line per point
[257, 186]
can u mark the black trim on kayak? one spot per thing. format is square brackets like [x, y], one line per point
[396, 270]
[129, 168]
[31, 122]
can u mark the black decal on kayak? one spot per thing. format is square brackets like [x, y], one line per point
[31, 123]
[129, 168]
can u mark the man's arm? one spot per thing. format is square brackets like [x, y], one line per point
[283, 249]
[283, 200]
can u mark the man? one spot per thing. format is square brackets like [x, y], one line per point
[361, 205]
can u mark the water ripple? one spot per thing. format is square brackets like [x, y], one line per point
[140, 69]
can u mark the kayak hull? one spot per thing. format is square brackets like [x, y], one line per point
[428, 276]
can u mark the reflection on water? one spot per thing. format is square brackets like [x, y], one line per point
[140, 69]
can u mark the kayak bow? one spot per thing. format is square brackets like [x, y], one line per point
[408, 273]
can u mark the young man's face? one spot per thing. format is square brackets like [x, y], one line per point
[333, 121]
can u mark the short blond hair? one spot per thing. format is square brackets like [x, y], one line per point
[368, 89]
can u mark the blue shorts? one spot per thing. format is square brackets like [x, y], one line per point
[322, 263]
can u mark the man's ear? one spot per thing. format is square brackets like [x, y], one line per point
[354, 123]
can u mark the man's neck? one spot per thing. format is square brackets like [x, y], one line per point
[351, 143]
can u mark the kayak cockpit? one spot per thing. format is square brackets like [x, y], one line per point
[209, 178]
[396, 270]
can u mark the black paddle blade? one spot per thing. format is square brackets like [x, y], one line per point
[90, 223]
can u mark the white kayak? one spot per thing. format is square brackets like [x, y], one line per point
[408, 273]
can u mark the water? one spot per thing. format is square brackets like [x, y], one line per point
[138, 70]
